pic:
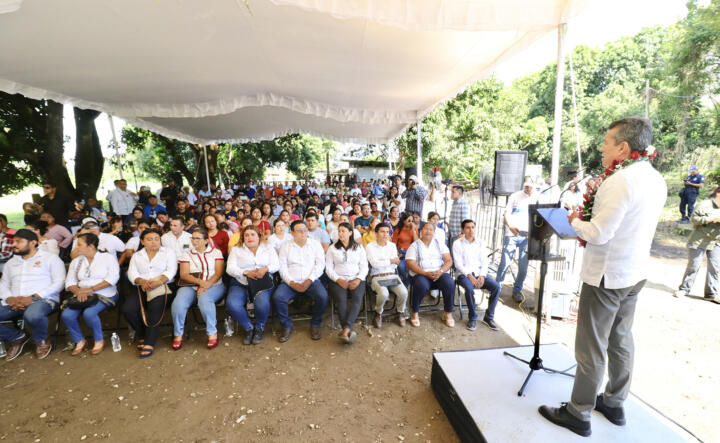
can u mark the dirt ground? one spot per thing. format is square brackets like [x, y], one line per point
[375, 390]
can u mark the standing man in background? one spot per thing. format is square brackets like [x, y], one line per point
[122, 201]
[689, 194]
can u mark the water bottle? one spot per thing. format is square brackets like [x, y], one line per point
[115, 342]
[229, 329]
[3, 352]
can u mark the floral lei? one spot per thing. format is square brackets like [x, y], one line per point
[589, 198]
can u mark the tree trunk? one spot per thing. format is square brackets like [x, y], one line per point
[682, 130]
[89, 160]
[52, 164]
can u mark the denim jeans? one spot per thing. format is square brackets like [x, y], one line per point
[35, 316]
[284, 293]
[187, 297]
[92, 319]
[510, 244]
[348, 313]
[402, 272]
[490, 285]
[237, 298]
[421, 285]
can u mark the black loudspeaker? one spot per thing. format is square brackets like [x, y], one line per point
[509, 171]
[412, 170]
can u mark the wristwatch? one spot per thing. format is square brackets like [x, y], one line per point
[35, 297]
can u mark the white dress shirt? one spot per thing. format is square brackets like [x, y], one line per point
[192, 198]
[429, 258]
[203, 262]
[334, 236]
[133, 243]
[122, 201]
[300, 263]
[42, 274]
[106, 243]
[179, 245]
[277, 243]
[242, 259]
[624, 218]
[346, 264]
[164, 263]
[83, 274]
[470, 257]
[379, 257]
[50, 245]
[518, 212]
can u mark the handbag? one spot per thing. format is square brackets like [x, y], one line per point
[74, 303]
[163, 290]
[260, 284]
[388, 280]
[183, 283]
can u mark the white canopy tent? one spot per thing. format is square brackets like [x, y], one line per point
[242, 70]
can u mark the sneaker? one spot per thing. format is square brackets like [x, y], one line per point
[16, 348]
[561, 417]
[248, 337]
[517, 297]
[680, 293]
[490, 323]
[616, 416]
[471, 325]
[43, 349]
[258, 336]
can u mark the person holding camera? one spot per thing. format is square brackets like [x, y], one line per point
[414, 195]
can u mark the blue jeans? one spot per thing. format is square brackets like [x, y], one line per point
[35, 316]
[402, 272]
[92, 319]
[238, 296]
[510, 243]
[421, 285]
[490, 285]
[284, 293]
[187, 297]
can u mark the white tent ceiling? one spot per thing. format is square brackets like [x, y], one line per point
[240, 70]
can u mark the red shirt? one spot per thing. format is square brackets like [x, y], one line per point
[221, 240]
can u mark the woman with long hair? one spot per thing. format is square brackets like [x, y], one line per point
[258, 220]
[201, 268]
[45, 243]
[346, 266]
[220, 237]
[280, 234]
[404, 236]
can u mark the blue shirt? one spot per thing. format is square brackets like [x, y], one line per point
[150, 212]
[250, 192]
[695, 179]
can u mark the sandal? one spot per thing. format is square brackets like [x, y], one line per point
[177, 343]
[415, 319]
[212, 342]
[140, 345]
[147, 351]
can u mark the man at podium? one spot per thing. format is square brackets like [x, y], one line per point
[619, 233]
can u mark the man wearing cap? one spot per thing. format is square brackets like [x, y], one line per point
[689, 194]
[106, 242]
[414, 195]
[516, 218]
[29, 289]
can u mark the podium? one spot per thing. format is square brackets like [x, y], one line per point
[548, 223]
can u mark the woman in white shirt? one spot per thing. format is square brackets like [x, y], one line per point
[46, 243]
[150, 269]
[90, 273]
[335, 213]
[280, 234]
[256, 260]
[201, 271]
[346, 266]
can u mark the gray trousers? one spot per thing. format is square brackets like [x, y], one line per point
[604, 332]
[695, 258]
[347, 313]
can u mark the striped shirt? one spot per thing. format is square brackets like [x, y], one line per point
[460, 211]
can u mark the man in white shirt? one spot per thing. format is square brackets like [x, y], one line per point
[302, 262]
[627, 207]
[179, 240]
[429, 262]
[516, 217]
[106, 242]
[383, 258]
[122, 201]
[471, 262]
[29, 288]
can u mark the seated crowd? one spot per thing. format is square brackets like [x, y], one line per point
[258, 247]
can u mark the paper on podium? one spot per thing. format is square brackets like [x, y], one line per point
[557, 218]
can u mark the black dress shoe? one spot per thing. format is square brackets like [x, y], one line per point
[315, 333]
[258, 336]
[248, 337]
[616, 416]
[285, 336]
[561, 417]
[490, 323]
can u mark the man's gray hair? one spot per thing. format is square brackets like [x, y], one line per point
[636, 131]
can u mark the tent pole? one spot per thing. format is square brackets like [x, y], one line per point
[117, 146]
[207, 170]
[557, 130]
[419, 153]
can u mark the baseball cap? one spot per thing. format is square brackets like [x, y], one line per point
[88, 220]
[693, 168]
[528, 182]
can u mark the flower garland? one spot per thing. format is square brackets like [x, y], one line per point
[589, 198]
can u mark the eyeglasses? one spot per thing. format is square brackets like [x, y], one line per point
[301, 230]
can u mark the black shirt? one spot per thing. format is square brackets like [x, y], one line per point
[59, 207]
